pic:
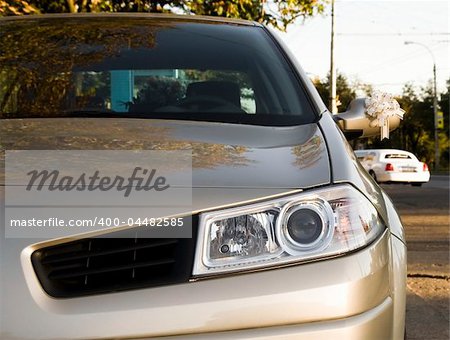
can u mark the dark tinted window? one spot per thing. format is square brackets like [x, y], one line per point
[148, 67]
[397, 156]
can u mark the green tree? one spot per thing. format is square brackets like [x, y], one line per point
[277, 13]
[416, 131]
[16, 7]
[345, 92]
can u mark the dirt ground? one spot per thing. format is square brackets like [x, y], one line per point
[425, 216]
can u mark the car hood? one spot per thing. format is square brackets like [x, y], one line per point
[258, 160]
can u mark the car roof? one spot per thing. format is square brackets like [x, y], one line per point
[158, 16]
[383, 150]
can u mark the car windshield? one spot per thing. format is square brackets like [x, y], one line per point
[149, 68]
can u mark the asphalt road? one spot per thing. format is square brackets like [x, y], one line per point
[438, 181]
[425, 216]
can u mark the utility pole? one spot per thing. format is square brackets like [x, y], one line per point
[333, 106]
[435, 104]
[437, 155]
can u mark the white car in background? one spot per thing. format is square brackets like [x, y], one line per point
[390, 165]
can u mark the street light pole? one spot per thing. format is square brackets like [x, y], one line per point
[435, 109]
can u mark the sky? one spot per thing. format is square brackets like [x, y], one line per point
[369, 42]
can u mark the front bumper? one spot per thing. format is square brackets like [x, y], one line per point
[348, 296]
[369, 325]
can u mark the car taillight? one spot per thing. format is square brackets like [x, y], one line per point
[425, 167]
[389, 167]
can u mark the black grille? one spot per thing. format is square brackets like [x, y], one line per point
[102, 265]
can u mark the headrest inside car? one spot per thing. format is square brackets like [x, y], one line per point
[225, 90]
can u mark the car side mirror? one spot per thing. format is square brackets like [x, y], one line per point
[363, 120]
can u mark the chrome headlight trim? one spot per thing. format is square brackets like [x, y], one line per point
[350, 222]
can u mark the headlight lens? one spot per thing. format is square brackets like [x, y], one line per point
[305, 226]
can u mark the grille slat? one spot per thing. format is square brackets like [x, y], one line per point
[102, 265]
[83, 255]
[66, 266]
[67, 275]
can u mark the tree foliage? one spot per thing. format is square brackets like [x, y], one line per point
[277, 13]
[345, 92]
[17, 7]
[416, 131]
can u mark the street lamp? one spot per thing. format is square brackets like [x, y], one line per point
[436, 136]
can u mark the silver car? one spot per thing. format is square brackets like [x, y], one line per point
[291, 238]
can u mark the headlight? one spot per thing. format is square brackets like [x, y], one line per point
[306, 226]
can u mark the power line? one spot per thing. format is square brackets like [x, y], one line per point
[392, 34]
[395, 60]
[390, 62]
